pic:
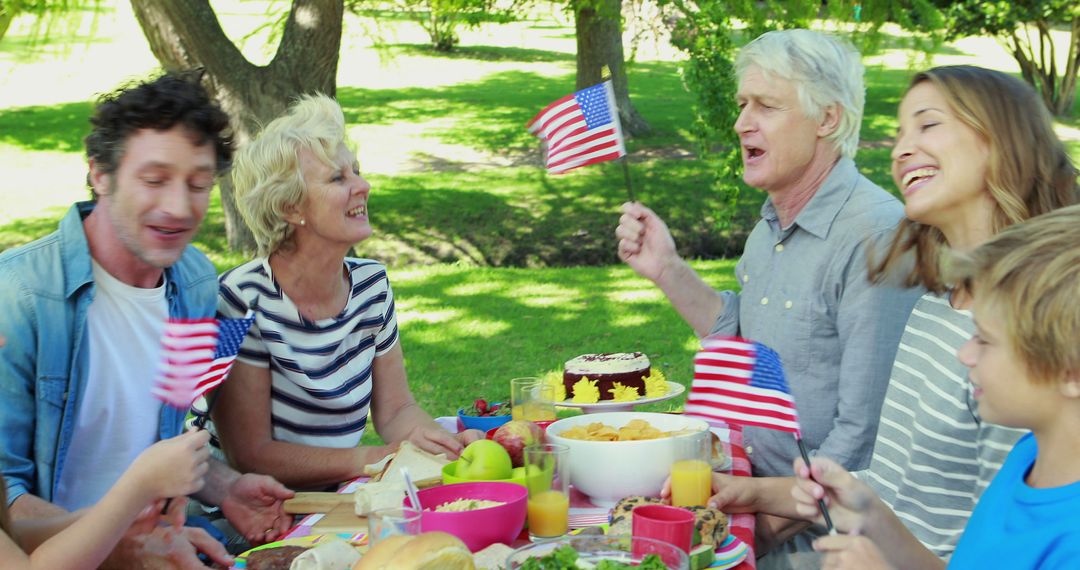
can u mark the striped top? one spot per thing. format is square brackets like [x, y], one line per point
[934, 456]
[320, 371]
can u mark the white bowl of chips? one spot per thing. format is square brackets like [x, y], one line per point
[608, 469]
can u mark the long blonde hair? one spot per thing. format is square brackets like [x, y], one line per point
[1029, 171]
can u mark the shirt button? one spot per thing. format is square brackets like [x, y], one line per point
[749, 450]
[745, 278]
[787, 305]
[779, 247]
[764, 300]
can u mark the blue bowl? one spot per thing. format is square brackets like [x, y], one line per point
[482, 423]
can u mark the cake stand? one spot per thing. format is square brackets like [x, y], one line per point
[673, 389]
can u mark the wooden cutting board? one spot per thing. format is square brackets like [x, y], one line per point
[337, 510]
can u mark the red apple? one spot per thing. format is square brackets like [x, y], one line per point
[514, 435]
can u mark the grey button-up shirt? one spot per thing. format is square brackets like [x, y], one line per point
[805, 293]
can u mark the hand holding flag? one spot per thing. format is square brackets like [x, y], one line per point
[742, 382]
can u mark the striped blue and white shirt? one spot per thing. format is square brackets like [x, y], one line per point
[320, 371]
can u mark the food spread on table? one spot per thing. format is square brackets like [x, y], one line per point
[499, 458]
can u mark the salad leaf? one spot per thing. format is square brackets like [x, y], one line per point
[565, 558]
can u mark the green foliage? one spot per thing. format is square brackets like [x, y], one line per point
[1002, 18]
[1011, 22]
[442, 18]
[47, 14]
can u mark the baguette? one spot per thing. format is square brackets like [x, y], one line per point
[428, 551]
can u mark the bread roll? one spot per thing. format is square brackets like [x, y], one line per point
[428, 551]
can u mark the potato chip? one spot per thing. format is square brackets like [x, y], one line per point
[634, 430]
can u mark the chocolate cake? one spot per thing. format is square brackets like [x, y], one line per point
[626, 368]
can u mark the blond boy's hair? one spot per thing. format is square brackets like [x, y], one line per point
[1031, 272]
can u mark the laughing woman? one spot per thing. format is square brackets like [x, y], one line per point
[323, 354]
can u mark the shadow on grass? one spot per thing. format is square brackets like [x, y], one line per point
[491, 114]
[484, 53]
[58, 127]
[26, 230]
[519, 217]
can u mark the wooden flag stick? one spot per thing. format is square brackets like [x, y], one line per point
[820, 502]
[626, 177]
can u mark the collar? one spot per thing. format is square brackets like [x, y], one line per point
[74, 249]
[818, 215]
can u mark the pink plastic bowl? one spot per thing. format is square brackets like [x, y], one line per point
[480, 528]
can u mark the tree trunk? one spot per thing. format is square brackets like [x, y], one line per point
[186, 34]
[1072, 65]
[599, 43]
[6, 16]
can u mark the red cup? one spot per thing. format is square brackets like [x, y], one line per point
[665, 523]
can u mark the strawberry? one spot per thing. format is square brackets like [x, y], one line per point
[481, 406]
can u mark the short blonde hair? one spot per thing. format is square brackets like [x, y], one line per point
[266, 173]
[825, 70]
[1031, 271]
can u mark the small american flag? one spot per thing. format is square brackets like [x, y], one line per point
[197, 355]
[580, 129]
[741, 382]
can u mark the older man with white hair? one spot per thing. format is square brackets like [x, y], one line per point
[803, 273]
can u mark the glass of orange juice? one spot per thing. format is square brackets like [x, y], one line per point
[547, 477]
[531, 399]
[691, 472]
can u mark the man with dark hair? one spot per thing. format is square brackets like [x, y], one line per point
[84, 309]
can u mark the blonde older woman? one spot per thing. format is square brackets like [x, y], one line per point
[323, 354]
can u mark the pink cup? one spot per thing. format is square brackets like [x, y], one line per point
[672, 525]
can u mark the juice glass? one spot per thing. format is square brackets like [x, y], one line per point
[531, 400]
[548, 480]
[691, 473]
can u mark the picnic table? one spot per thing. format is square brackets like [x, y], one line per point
[582, 512]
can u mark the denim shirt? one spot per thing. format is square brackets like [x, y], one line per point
[45, 290]
[806, 294]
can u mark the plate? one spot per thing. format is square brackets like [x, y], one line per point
[357, 540]
[730, 554]
[673, 389]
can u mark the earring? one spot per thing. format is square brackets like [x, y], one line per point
[302, 222]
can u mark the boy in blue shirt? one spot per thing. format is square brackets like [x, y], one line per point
[1024, 362]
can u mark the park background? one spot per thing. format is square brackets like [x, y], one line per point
[499, 269]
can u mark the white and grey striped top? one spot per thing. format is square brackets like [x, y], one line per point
[321, 381]
[934, 456]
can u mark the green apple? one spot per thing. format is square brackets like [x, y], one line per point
[484, 460]
[538, 478]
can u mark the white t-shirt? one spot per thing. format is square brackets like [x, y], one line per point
[118, 417]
